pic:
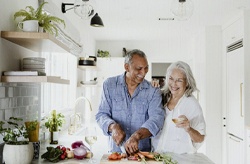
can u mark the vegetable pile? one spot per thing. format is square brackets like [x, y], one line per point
[144, 157]
[78, 151]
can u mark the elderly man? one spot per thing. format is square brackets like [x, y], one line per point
[131, 111]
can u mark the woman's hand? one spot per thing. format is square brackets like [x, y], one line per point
[194, 134]
[155, 83]
[185, 124]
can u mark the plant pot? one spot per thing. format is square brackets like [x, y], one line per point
[21, 154]
[33, 134]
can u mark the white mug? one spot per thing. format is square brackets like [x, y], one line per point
[28, 25]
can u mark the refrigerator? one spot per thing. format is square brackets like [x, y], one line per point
[235, 103]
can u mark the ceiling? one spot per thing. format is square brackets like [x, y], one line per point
[139, 19]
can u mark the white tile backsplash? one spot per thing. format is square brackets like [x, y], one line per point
[4, 103]
[19, 100]
[2, 92]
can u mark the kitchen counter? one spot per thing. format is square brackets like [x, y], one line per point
[197, 158]
[100, 153]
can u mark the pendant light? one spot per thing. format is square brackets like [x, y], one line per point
[182, 9]
[96, 21]
[83, 9]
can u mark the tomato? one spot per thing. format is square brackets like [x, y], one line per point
[62, 157]
[63, 149]
[112, 156]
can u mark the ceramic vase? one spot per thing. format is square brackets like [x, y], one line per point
[21, 154]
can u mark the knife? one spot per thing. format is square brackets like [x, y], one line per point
[122, 147]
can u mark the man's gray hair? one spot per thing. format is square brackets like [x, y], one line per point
[130, 54]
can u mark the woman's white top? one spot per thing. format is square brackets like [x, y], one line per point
[177, 140]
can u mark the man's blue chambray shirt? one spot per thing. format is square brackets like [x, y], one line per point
[143, 109]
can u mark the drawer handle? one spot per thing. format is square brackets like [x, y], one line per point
[234, 139]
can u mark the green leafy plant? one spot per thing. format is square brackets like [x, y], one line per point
[15, 133]
[44, 19]
[58, 122]
[101, 53]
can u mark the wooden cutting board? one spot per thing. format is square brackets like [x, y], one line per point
[105, 160]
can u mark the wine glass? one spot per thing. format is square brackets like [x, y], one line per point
[91, 138]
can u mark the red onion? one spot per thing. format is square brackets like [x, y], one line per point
[79, 144]
[80, 152]
[76, 144]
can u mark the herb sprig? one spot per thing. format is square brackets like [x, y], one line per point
[165, 158]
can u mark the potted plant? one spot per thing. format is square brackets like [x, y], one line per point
[53, 123]
[32, 130]
[45, 20]
[16, 141]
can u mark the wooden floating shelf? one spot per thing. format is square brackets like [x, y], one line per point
[35, 41]
[34, 79]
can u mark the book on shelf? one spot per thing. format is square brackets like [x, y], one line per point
[23, 73]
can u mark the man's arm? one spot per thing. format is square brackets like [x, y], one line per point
[132, 143]
[103, 116]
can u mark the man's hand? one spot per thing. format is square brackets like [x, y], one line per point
[118, 134]
[131, 145]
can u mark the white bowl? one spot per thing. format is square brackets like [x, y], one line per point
[32, 66]
[34, 60]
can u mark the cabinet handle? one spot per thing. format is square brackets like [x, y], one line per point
[241, 114]
[234, 139]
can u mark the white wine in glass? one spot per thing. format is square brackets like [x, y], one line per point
[90, 138]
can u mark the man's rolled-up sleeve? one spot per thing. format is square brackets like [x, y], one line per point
[156, 114]
[103, 116]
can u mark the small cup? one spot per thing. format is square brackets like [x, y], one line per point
[28, 25]
[177, 120]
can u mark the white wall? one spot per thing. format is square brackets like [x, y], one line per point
[208, 72]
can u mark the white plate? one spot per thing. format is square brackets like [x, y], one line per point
[88, 82]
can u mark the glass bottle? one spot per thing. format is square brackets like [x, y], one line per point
[54, 129]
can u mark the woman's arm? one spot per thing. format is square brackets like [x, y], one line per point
[194, 134]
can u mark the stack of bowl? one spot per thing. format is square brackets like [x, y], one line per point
[34, 64]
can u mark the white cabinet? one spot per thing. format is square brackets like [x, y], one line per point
[234, 32]
[235, 145]
[235, 95]
[234, 73]
[248, 146]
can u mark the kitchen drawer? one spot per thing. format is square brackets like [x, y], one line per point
[248, 146]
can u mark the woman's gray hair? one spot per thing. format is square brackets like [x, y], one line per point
[130, 54]
[185, 68]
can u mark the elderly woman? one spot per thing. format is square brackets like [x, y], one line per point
[184, 127]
